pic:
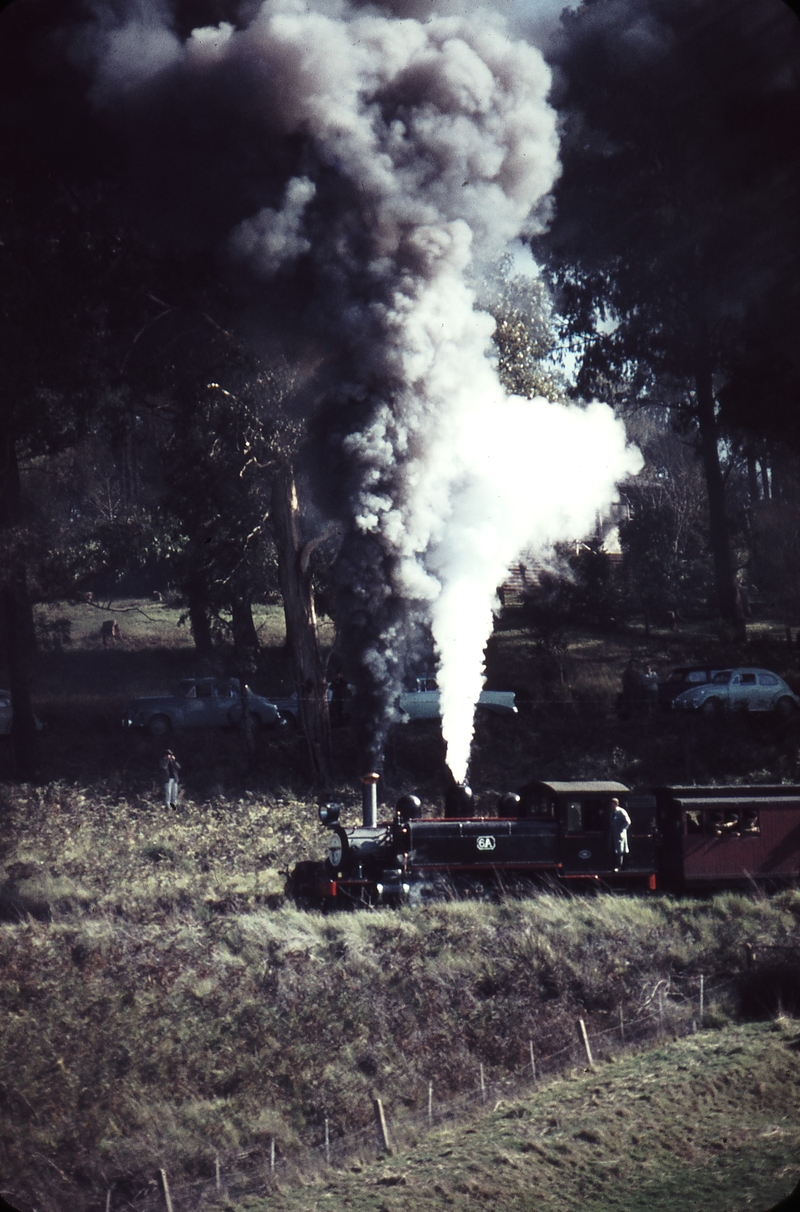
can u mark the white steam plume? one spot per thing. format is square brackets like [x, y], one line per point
[426, 146]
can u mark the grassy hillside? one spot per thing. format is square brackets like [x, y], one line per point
[166, 1007]
[707, 1123]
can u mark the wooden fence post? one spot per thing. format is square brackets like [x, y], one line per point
[108, 1200]
[430, 1104]
[533, 1061]
[383, 1131]
[327, 1143]
[621, 1025]
[272, 1155]
[585, 1038]
[702, 992]
[162, 1174]
[483, 1086]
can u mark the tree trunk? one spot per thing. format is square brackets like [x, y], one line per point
[17, 618]
[728, 595]
[199, 622]
[245, 636]
[301, 625]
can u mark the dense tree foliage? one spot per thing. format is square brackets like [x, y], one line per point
[676, 216]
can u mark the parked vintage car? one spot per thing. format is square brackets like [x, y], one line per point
[743, 689]
[422, 701]
[200, 703]
[7, 714]
[685, 677]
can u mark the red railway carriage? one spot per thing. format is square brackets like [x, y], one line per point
[717, 837]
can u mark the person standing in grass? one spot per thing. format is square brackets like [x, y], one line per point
[620, 824]
[171, 767]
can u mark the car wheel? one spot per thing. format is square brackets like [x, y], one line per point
[160, 725]
[785, 707]
[711, 707]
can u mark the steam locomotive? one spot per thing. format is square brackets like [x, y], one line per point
[681, 839]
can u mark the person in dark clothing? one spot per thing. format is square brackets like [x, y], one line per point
[633, 689]
[338, 696]
[171, 768]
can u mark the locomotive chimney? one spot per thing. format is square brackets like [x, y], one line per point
[459, 801]
[369, 799]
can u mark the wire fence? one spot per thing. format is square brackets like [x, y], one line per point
[669, 1008]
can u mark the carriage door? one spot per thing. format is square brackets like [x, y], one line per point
[584, 835]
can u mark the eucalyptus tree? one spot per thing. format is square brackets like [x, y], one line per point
[677, 210]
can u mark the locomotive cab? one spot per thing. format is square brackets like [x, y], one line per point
[582, 816]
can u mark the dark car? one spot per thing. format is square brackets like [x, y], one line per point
[200, 703]
[685, 677]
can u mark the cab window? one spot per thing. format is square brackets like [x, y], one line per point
[574, 816]
[585, 816]
[541, 808]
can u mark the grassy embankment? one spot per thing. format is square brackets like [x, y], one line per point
[166, 1014]
[707, 1123]
[168, 1009]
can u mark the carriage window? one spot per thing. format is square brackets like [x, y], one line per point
[718, 822]
[722, 824]
[750, 822]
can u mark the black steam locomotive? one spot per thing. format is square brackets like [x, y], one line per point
[680, 839]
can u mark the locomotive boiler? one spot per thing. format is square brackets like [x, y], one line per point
[681, 839]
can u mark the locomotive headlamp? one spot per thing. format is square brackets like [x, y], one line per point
[329, 813]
